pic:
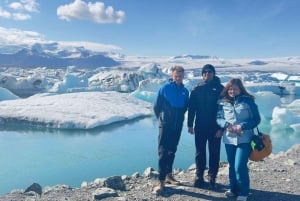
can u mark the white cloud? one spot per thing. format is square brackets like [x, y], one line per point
[21, 37]
[98, 47]
[19, 10]
[4, 13]
[26, 5]
[16, 6]
[16, 36]
[30, 5]
[90, 11]
[21, 16]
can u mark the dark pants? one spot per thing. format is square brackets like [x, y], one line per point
[167, 146]
[214, 145]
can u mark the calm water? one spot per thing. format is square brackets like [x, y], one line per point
[51, 157]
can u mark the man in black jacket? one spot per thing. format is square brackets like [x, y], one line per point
[202, 113]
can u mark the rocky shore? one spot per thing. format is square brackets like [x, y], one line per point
[277, 178]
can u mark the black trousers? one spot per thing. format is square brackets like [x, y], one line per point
[168, 140]
[214, 146]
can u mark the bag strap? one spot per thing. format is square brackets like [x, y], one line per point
[258, 132]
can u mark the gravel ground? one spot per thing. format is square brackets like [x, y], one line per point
[277, 178]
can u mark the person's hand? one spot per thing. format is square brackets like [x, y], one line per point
[191, 130]
[219, 133]
[238, 129]
[234, 128]
[230, 128]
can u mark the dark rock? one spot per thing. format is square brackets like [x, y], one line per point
[115, 182]
[102, 193]
[35, 187]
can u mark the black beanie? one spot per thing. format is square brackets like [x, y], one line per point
[208, 67]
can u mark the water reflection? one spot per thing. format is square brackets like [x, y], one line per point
[26, 128]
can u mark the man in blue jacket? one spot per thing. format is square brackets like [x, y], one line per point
[169, 108]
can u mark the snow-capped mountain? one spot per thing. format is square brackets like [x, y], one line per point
[194, 57]
[53, 55]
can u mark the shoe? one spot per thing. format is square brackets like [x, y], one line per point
[159, 188]
[212, 182]
[199, 182]
[242, 198]
[229, 194]
[170, 180]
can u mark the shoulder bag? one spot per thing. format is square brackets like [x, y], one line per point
[261, 146]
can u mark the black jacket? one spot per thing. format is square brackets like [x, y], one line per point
[203, 104]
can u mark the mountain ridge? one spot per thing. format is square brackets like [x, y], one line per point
[36, 56]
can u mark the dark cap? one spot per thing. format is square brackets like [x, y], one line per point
[208, 67]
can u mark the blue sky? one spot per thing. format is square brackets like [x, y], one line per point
[227, 29]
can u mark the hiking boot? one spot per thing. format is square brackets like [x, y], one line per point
[170, 180]
[199, 182]
[212, 182]
[159, 188]
[229, 194]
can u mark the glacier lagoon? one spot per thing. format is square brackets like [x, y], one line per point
[57, 156]
[62, 156]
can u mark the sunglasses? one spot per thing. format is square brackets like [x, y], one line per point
[207, 71]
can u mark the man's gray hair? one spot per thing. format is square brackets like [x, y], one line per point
[177, 69]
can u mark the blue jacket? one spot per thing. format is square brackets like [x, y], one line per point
[171, 104]
[242, 111]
